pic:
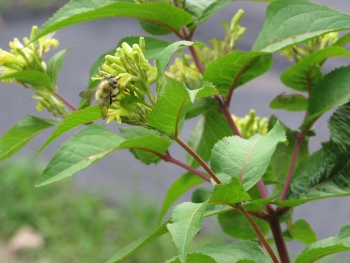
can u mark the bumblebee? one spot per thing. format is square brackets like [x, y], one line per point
[104, 93]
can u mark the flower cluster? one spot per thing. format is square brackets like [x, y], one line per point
[28, 57]
[301, 51]
[184, 68]
[234, 32]
[251, 124]
[130, 69]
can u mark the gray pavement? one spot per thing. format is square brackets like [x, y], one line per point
[119, 173]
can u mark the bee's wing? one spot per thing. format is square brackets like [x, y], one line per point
[87, 94]
[104, 108]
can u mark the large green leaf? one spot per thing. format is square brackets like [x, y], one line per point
[201, 106]
[304, 75]
[126, 252]
[21, 133]
[327, 246]
[291, 102]
[186, 222]
[177, 189]
[243, 252]
[36, 79]
[230, 193]
[208, 131]
[331, 92]
[282, 156]
[201, 10]
[301, 231]
[153, 47]
[173, 104]
[143, 143]
[326, 172]
[291, 22]
[236, 225]
[163, 58]
[82, 11]
[54, 65]
[245, 159]
[342, 41]
[73, 120]
[83, 149]
[236, 68]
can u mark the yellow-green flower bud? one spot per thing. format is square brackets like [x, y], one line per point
[126, 49]
[142, 44]
[118, 68]
[109, 69]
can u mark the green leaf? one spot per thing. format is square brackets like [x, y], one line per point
[236, 225]
[163, 58]
[193, 258]
[83, 149]
[208, 131]
[21, 133]
[202, 10]
[201, 106]
[282, 157]
[153, 47]
[342, 41]
[302, 231]
[236, 69]
[36, 79]
[304, 75]
[173, 104]
[291, 22]
[144, 143]
[245, 159]
[54, 66]
[82, 11]
[242, 252]
[327, 246]
[291, 102]
[159, 144]
[230, 193]
[123, 254]
[332, 91]
[177, 189]
[73, 120]
[201, 195]
[325, 173]
[154, 28]
[186, 222]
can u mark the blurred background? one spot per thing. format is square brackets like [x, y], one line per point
[90, 216]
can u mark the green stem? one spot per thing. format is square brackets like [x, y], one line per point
[258, 232]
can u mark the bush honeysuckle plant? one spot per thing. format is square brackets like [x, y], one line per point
[232, 158]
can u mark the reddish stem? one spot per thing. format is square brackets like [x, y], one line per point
[168, 158]
[198, 159]
[258, 232]
[229, 119]
[65, 102]
[278, 237]
[297, 145]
